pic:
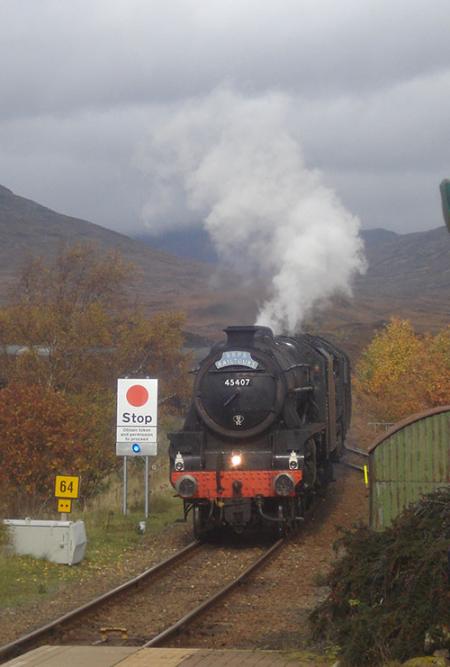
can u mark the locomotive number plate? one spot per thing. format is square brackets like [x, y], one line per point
[238, 382]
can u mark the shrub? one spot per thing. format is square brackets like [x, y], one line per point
[389, 588]
[44, 433]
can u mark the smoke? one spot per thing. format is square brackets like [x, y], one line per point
[235, 163]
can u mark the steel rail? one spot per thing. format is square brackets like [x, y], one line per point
[173, 629]
[356, 450]
[155, 569]
[352, 465]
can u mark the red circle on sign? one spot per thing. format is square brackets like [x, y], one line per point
[137, 395]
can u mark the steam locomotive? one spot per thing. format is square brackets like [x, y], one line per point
[268, 417]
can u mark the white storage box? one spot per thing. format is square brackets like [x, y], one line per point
[57, 541]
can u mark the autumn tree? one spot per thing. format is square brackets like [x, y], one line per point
[77, 336]
[76, 331]
[44, 433]
[401, 373]
[63, 314]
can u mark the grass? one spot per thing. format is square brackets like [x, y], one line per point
[111, 537]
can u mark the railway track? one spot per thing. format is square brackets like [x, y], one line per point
[128, 614]
[25, 641]
[190, 616]
[351, 452]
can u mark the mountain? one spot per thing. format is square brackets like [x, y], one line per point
[407, 265]
[193, 243]
[399, 264]
[27, 228]
[408, 274]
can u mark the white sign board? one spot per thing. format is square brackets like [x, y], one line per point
[137, 417]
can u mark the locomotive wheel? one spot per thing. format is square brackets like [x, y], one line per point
[340, 446]
[287, 512]
[310, 470]
[199, 516]
[293, 524]
[324, 477]
[299, 510]
[281, 526]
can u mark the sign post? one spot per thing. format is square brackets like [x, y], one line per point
[146, 487]
[125, 486]
[137, 422]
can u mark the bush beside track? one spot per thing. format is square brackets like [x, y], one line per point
[390, 590]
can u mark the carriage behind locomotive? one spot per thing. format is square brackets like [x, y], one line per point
[268, 416]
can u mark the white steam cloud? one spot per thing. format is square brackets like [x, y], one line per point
[236, 164]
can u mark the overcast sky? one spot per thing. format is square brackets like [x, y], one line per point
[83, 83]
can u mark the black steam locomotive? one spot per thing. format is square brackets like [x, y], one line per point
[268, 416]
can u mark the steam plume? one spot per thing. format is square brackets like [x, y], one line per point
[236, 164]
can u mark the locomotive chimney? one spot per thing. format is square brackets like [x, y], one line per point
[245, 336]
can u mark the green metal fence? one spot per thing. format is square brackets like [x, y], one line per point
[411, 459]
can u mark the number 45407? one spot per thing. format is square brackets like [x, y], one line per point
[238, 382]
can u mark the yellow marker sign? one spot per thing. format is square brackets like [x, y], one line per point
[64, 505]
[66, 487]
[366, 475]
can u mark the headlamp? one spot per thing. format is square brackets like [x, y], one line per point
[179, 462]
[236, 459]
[293, 461]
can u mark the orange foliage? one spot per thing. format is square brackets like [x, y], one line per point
[44, 433]
[57, 412]
[77, 332]
[401, 373]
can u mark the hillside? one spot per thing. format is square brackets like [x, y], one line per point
[408, 275]
[407, 265]
[399, 264]
[27, 228]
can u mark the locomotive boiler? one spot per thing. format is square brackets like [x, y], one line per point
[268, 417]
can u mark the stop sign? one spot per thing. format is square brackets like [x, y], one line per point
[137, 417]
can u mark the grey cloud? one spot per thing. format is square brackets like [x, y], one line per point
[81, 82]
[64, 56]
[397, 128]
[402, 201]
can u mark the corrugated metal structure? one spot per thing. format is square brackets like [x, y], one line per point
[411, 459]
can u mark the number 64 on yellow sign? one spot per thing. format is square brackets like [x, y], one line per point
[66, 487]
